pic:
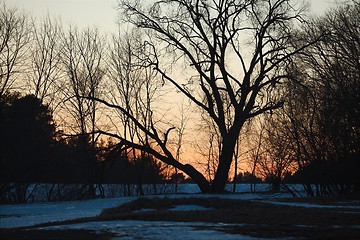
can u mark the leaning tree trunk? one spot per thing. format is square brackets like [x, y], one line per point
[197, 177]
[194, 174]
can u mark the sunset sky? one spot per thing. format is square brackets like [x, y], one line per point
[101, 13]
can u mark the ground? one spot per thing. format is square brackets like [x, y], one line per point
[309, 218]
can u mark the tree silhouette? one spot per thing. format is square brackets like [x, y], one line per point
[27, 132]
[320, 122]
[14, 38]
[212, 39]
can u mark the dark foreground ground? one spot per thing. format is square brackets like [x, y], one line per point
[253, 218]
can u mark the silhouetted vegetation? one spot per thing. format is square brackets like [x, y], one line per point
[247, 177]
[27, 136]
[96, 114]
[318, 130]
[32, 151]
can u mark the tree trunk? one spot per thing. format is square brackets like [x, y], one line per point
[225, 159]
[221, 176]
[198, 178]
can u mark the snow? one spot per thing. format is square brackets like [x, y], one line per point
[32, 214]
[310, 205]
[48, 192]
[189, 207]
[36, 213]
[158, 230]
[20, 215]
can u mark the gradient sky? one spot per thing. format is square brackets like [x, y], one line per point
[101, 13]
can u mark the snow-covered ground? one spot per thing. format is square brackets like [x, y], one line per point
[311, 205]
[157, 230]
[36, 213]
[31, 214]
[47, 192]
[20, 215]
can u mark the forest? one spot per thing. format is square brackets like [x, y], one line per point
[235, 91]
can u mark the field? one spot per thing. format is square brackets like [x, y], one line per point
[185, 216]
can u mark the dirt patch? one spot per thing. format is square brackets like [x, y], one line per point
[255, 218]
[231, 211]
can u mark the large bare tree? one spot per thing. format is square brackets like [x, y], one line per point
[234, 53]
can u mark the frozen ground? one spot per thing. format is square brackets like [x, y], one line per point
[158, 230]
[311, 205]
[21, 215]
[32, 214]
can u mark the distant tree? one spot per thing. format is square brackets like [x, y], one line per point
[132, 89]
[27, 133]
[44, 59]
[323, 104]
[82, 59]
[14, 38]
[247, 177]
[277, 152]
[119, 168]
[177, 178]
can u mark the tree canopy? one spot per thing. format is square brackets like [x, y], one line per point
[213, 38]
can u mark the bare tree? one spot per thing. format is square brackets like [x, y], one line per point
[14, 38]
[180, 132]
[44, 59]
[82, 59]
[123, 79]
[212, 37]
[208, 146]
[279, 152]
[323, 102]
[129, 82]
[255, 146]
[133, 90]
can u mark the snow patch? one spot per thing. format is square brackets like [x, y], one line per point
[189, 207]
[159, 230]
[21, 215]
[310, 205]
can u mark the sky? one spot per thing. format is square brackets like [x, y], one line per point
[100, 13]
[83, 13]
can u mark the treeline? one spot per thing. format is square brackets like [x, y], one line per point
[315, 136]
[33, 151]
[80, 107]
